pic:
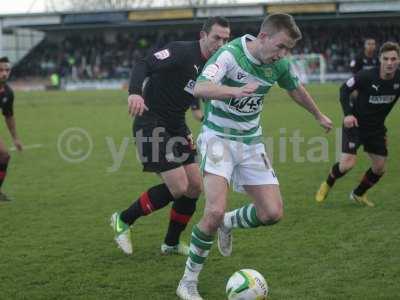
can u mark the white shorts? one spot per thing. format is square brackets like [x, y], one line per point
[241, 164]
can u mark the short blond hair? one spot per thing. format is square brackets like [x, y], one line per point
[278, 22]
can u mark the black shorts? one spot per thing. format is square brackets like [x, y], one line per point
[161, 148]
[373, 142]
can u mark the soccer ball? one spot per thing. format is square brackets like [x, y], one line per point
[247, 284]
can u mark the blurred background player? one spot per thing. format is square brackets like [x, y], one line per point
[164, 142]
[7, 106]
[364, 122]
[367, 59]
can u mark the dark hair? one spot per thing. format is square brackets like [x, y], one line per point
[4, 59]
[390, 46]
[275, 23]
[221, 21]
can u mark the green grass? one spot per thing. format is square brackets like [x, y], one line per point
[55, 241]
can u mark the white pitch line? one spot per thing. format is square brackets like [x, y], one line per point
[33, 146]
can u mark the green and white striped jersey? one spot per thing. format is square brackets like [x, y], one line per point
[233, 65]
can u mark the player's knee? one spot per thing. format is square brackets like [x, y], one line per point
[347, 164]
[379, 169]
[271, 216]
[179, 188]
[194, 189]
[4, 157]
[214, 218]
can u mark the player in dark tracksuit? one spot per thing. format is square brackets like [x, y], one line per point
[364, 121]
[7, 107]
[161, 91]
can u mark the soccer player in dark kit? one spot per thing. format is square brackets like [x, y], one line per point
[367, 59]
[7, 107]
[164, 142]
[364, 122]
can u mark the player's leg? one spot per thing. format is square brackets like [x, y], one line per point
[151, 141]
[370, 178]
[255, 176]
[217, 167]
[4, 160]
[174, 186]
[215, 189]
[182, 211]
[376, 148]
[183, 207]
[266, 209]
[348, 159]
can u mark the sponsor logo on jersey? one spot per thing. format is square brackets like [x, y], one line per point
[367, 67]
[375, 87]
[163, 54]
[240, 75]
[190, 86]
[383, 99]
[211, 71]
[247, 105]
[4, 99]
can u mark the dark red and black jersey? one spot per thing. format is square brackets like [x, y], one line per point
[171, 73]
[376, 98]
[7, 100]
[363, 62]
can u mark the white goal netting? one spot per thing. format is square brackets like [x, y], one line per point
[309, 67]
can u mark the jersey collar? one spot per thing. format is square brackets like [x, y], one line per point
[246, 50]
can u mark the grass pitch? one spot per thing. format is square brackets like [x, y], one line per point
[55, 241]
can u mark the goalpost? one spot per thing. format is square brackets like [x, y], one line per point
[309, 67]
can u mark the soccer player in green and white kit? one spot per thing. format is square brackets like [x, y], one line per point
[234, 83]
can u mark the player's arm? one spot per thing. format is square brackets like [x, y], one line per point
[211, 91]
[8, 113]
[355, 65]
[346, 90]
[290, 82]
[304, 99]
[208, 84]
[167, 58]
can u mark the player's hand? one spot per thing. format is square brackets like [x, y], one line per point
[246, 90]
[350, 121]
[325, 122]
[136, 105]
[18, 144]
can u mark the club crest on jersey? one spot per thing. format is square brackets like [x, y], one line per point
[396, 86]
[163, 54]
[268, 72]
[247, 105]
[190, 86]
